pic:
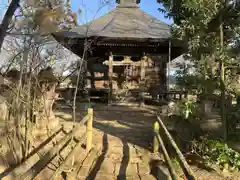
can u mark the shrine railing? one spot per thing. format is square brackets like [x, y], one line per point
[71, 136]
[158, 142]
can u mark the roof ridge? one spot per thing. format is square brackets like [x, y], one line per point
[128, 1]
[128, 6]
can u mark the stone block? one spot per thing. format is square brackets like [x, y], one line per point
[107, 167]
[115, 157]
[104, 177]
[143, 169]
[148, 177]
[83, 172]
[131, 169]
[135, 159]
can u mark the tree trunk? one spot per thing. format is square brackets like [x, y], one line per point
[222, 85]
[46, 118]
[7, 19]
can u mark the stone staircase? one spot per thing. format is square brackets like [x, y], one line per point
[120, 149]
[112, 159]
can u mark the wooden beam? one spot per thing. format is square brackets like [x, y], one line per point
[52, 153]
[142, 64]
[69, 157]
[181, 159]
[142, 80]
[13, 169]
[123, 63]
[110, 74]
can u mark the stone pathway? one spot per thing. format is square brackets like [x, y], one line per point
[112, 158]
[121, 141]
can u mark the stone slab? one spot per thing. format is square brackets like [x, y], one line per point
[104, 177]
[143, 169]
[148, 177]
[115, 157]
[107, 167]
[90, 159]
[127, 170]
[135, 159]
[83, 172]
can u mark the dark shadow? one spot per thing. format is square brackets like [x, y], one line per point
[198, 161]
[130, 135]
[64, 175]
[124, 163]
[159, 170]
[92, 79]
[100, 159]
[132, 125]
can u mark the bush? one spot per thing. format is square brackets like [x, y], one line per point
[233, 119]
[188, 109]
[217, 152]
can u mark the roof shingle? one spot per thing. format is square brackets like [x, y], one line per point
[124, 22]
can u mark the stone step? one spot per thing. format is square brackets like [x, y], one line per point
[48, 171]
[77, 164]
[88, 164]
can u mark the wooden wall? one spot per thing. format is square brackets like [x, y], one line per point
[155, 74]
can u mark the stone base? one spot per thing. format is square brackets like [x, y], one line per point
[49, 123]
[53, 123]
[43, 127]
[207, 107]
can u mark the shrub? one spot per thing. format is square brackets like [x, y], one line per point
[217, 152]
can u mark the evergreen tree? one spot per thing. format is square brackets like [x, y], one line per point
[209, 29]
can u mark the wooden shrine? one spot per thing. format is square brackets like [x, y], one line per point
[124, 49]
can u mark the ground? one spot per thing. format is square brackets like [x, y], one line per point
[126, 145]
[122, 146]
[128, 130]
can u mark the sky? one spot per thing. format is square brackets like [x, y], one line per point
[92, 9]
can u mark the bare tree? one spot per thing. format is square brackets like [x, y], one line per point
[7, 20]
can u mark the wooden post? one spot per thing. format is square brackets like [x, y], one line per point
[181, 159]
[155, 140]
[142, 78]
[167, 158]
[89, 129]
[110, 74]
[168, 64]
[69, 157]
[49, 156]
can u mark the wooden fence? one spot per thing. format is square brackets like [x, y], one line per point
[54, 151]
[158, 141]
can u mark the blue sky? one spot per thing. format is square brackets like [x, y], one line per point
[92, 9]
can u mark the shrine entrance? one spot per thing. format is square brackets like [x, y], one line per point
[125, 75]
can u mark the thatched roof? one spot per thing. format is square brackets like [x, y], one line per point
[127, 21]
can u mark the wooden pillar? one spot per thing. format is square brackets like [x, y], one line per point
[92, 80]
[168, 65]
[142, 80]
[110, 74]
[155, 141]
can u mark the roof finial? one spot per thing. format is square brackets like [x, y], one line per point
[127, 2]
